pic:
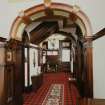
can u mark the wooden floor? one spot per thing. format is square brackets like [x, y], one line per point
[88, 101]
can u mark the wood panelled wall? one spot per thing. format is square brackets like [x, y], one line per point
[16, 49]
[12, 74]
[89, 68]
[83, 68]
[2, 74]
[79, 67]
[14, 79]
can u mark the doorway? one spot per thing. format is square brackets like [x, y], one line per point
[60, 18]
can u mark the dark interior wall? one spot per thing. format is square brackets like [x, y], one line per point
[11, 74]
[14, 78]
[18, 74]
[2, 74]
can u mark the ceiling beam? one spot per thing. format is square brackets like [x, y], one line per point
[43, 31]
[99, 34]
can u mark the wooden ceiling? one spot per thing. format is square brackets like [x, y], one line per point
[43, 31]
[49, 27]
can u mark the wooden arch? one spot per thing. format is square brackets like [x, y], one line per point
[27, 16]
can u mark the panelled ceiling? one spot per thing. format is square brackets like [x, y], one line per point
[42, 31]
[51, 21]
[46, 28]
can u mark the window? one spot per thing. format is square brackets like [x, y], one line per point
[65, 55]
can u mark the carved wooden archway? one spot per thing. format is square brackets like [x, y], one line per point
[42, 11]
[27, 16]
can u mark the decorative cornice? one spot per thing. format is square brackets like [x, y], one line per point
[76, 9]
[21, 14]
[42, 7]
[88, 44]
[47, 3]
[88, 38]
[24, 18]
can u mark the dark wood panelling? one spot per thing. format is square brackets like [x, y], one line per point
[2, 39]
[7, 77]
[9, 84]
[79, 68]
[12, 89]
[88, 67]
[89, 72]
[43, 31]
[37, 82]
[18, 74]
[16, 49]
[7, 97]
[52, 61]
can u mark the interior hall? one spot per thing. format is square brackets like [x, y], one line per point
[52, 52]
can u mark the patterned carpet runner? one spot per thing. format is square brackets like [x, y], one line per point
[55, 95]
[56, 90]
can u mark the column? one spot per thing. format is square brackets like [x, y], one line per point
[89, 67]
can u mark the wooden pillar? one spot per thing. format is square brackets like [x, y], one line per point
[79, 75]
[16, 60]
[75, 63]
[89, 67]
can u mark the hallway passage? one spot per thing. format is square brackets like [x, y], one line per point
[56, 90]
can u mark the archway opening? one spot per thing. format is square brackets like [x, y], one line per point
[35, 28]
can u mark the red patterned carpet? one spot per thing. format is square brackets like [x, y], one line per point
[54, 85]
